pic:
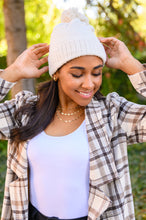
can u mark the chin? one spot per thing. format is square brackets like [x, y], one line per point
[84, 103]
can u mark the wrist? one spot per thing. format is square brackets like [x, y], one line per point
[10, 74]
[132, 66]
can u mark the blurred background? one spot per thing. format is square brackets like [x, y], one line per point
[27, 22]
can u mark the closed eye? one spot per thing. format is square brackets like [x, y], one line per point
[96, 74]
[76, 76]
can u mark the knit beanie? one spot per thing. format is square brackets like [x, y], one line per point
[72, 38]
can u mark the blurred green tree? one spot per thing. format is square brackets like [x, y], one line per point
[41, 16]
[116, 18]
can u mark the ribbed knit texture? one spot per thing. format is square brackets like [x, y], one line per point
[73, 39]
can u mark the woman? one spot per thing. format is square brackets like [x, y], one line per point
[72, 140]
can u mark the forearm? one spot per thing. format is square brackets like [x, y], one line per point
[132, 66]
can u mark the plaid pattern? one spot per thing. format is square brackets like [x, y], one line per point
[111, 123]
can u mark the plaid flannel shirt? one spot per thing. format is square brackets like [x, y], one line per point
[112, 122]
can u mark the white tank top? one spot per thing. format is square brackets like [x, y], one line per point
[59, 174]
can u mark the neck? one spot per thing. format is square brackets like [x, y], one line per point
[68, 105]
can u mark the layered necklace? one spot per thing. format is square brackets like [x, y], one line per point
[78, 111]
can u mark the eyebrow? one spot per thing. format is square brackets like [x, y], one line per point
[82, 68]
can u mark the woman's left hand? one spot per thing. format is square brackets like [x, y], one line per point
[119, 57]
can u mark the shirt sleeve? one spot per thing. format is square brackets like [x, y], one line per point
[5, 87]
[132, 117]
[129, 116]
[8, 108]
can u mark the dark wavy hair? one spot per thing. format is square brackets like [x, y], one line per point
[40, 113]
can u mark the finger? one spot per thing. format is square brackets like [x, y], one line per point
[43, 70]
[43, 61]
[33, 47]
[41, 51]
[101, 38]
[108, 43]
[107, 39]
[106, 46]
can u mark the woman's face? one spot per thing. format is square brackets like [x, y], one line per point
[79, 80]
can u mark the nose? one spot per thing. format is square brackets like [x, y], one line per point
[88, 83]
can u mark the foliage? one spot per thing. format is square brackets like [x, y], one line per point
[2, 32]
[3, 62]
[115, 18]
[117, 81]
[140, 24]
[40, 21]
[2, 35]
[137, 162]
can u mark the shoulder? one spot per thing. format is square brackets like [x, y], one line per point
[112, 99]
[111, 104]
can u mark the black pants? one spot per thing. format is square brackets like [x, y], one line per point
[34, 214]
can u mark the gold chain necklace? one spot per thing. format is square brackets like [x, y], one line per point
[70, 120]
[69, 114]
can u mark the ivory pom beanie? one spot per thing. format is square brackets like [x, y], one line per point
[72, 38]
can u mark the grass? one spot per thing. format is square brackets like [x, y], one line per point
[137, 163]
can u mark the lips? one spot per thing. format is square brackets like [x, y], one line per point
[85, 94]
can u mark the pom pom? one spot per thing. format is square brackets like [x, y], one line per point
[72, 13]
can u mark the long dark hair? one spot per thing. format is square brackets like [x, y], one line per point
[39, 113]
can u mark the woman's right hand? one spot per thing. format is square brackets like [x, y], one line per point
[27, 65]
